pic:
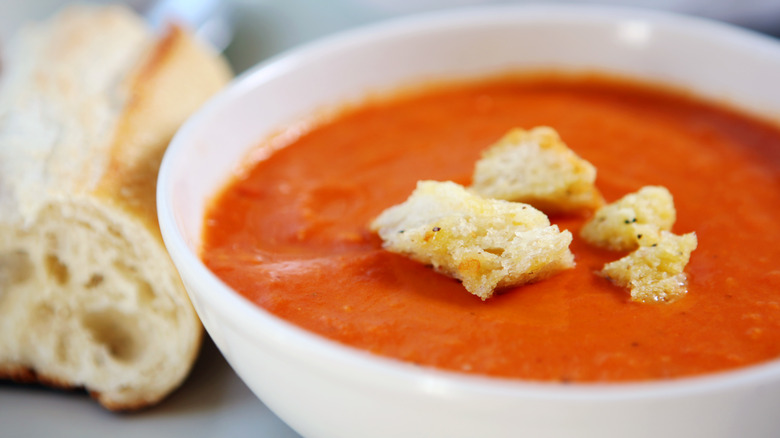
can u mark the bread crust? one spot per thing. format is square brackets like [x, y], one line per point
[88, 295]
[26, 375]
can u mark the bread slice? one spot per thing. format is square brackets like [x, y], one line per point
[88, 295]
[536, 167]
[634, 220]
[488, 244]
[655, 272]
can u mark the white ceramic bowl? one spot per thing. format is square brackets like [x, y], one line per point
[322, 389]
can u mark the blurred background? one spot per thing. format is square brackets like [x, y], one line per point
[262, 28]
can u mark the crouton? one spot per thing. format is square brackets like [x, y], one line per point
[488, 244]
[634, 220]
[536, 167]
[655, 272]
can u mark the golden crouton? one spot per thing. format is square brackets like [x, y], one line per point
[655, 272]
[537, 168]
[486, 243]
[637, 218]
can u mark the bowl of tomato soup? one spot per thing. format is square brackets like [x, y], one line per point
[265, 198]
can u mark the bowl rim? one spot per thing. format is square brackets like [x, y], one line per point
[298, 341]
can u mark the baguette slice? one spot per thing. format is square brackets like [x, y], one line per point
[88, 295]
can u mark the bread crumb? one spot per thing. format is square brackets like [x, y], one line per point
[655, 272]
[634, 220]
[536, 167]
[488, 244]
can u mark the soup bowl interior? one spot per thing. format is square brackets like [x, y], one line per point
[323, 389]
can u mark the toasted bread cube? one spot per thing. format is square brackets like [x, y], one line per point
[536, 167]
[634, 220]
[488, 244]
[655, 272]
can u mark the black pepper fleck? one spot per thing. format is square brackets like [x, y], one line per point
[436, 228]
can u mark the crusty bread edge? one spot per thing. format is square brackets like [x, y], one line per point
[139, 181]
[24, 375]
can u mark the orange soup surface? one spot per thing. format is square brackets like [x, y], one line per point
[291, 234]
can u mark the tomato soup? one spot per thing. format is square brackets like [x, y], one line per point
[291, 233]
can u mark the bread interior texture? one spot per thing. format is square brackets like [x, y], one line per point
[89, 297]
